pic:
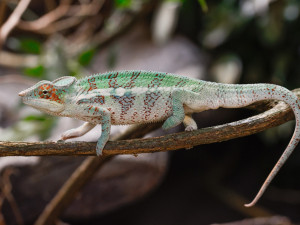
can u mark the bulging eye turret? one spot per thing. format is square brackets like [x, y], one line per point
[45, 91]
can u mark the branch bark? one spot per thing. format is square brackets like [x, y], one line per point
[275, 116]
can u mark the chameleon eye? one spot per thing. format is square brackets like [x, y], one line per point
[45, 91]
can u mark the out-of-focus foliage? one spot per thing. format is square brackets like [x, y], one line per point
[25, 45]
[203, 5]
[35, 126]
[36, 72]
[30, 45]
[123, 3]
[85, 57]
[44, 124]
[263, 34]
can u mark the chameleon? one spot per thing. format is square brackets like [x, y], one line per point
[136, 97]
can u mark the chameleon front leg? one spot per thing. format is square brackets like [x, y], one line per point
[77, 132]
[103, 117]
[105, 128]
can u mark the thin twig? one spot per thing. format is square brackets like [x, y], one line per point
[50, 23]
[81, 176]
[86, 30]
[90, 9]
[6, 188]
[13, 20]
[46, 19]
[120, 24]
[61, 25]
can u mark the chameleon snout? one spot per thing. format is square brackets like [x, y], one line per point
[22, 93]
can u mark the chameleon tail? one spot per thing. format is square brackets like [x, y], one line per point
[242, 95]
[285, 155]
[280, 93]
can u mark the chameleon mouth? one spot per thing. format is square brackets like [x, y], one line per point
[43, 105]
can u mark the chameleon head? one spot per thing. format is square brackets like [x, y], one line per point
[48, 96]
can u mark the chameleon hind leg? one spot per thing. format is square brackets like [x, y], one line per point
[179, 99]
[178, 111]
[189, 123]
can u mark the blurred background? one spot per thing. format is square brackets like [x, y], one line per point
[228, 41]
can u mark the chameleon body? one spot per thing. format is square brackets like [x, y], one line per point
[135, 97]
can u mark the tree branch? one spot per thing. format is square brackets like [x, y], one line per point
[275, 116]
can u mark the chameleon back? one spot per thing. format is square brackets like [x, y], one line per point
[133, 96]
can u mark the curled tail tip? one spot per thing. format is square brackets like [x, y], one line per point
[254, 201]
[99, 151]
[250, 204]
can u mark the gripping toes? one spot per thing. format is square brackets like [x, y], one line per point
[77, 132]
[100, 146]
[171, 122]
[103, 139]
[69, 134]
[105, 128]
[189, 123]
[190, 128]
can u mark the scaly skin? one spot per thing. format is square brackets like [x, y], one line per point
[134, 97]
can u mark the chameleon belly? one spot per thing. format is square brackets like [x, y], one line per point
[139, 105]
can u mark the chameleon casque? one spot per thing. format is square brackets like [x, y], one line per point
[135, 97]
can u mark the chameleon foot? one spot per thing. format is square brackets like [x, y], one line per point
[189, 123]
[69, 134]
[77, 132]
[190, 128]
[171, 122]
[99, 148]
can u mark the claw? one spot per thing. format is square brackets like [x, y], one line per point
[190, 128]
[99, 151]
